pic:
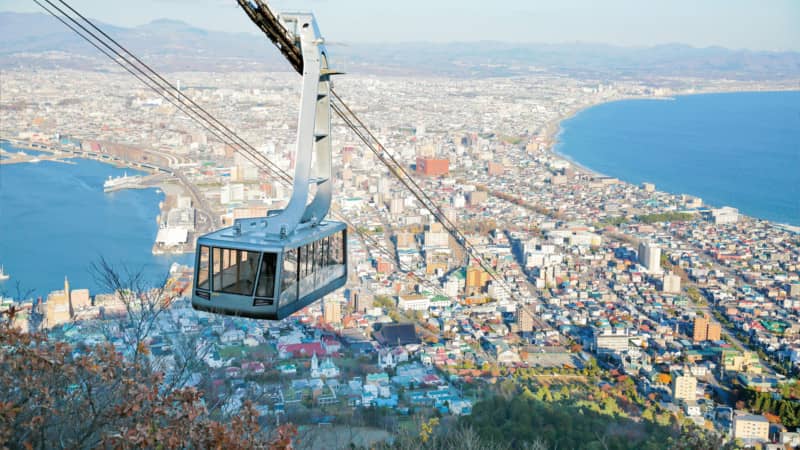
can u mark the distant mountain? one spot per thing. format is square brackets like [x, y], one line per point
[167, 44]
[175, 45]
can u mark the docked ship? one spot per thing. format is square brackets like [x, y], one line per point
[3, 275]
[123, 182]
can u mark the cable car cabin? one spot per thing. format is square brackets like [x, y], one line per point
[270, 267]
[264, 276]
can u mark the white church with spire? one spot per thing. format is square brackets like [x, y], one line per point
[327, 369]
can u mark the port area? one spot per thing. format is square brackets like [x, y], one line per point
[183, 214]
[155, 180]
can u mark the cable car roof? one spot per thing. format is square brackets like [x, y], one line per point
[255, 238]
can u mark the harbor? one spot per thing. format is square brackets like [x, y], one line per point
[183, 213]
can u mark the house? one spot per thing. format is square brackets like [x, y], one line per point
[331, 345]
[386, 360]
[377, 378]
[232, 336]
[255, 367]
[301, 350]
[287, 369]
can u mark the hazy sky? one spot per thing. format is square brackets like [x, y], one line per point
[752, 24]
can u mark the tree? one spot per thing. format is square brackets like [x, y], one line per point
[51, 397]
[664, 378]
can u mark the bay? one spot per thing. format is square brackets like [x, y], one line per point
[55, 222]
[733, 149]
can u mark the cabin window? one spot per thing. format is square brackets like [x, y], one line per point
[306, 282]
[337, 248]
[266, 281]
[289, 279]
[234, 271]
[202, 268]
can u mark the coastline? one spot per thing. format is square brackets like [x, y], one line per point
[61, 154]
[554, 129]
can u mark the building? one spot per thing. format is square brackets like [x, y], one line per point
[391, 334]
[436, 237]
[700, 329]
[648, 187]
[611, 340]
[476, 277]
[524, 319]
[432, 167]
[684, 386]
[705, 330]
[332, 311]
[725, 215]
[413, 302]
[750, 427]
[714, 332]
[476, 198]
[360, 301]
[650, 257]
[405, 241]
[671, 284]
[494, 169]
[327, 369]
[58, 308]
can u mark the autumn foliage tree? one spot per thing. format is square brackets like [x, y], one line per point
[52, 396]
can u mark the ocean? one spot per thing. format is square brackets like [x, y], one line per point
[55, 221]
[733, 149]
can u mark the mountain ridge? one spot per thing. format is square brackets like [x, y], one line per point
[182, 46]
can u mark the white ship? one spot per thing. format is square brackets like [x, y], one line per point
[123, 182]
[3, 276]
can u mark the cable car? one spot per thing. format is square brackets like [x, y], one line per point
[270, 267]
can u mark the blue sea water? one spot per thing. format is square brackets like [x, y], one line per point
[55, 221]
[736, 149]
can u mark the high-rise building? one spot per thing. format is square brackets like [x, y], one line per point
[433, 167]
[476, 277]
[332, 311]
[360, 301]
[650, 257]
[671, 284]
[524, 318]
[57, 307]
[714, 332]
[684, 386]
[700, 329]
[705, 330]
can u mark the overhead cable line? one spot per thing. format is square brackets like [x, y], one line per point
[158, 84]
[260, 13]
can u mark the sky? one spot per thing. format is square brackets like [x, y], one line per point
[736, 24]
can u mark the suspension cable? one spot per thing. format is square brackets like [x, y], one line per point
[205, 120]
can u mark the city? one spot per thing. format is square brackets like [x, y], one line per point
[691, 310]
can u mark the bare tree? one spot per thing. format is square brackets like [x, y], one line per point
[143, 301]
[51, 397]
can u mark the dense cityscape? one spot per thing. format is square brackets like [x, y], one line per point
[690, 301]
[497, 294]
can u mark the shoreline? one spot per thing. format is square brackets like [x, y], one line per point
[59, 154]
[554, 129]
